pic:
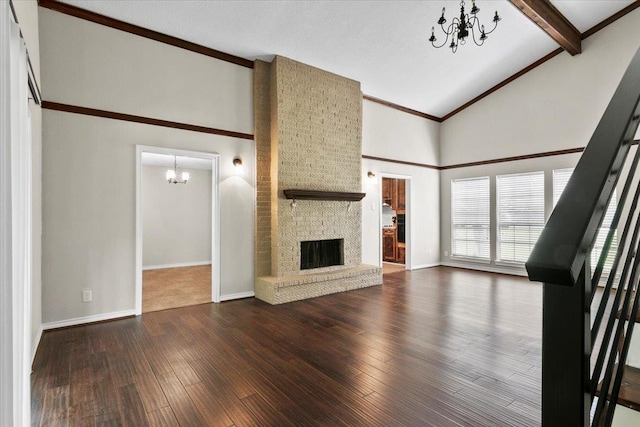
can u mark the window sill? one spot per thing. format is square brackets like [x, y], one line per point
[512, 264]
[468, 259]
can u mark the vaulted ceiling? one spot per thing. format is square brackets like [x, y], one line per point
[382, 44]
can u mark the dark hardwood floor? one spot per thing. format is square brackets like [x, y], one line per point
[440, 347]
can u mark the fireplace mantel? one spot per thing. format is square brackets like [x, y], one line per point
[323, 195]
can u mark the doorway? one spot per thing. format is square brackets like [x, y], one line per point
[394, 222]
[177, 250]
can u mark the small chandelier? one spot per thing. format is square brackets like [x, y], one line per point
[460, 28]
[172, 174]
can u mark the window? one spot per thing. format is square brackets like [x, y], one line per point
[470, 213]
[520, 215]
[603, 231]
[560, 179]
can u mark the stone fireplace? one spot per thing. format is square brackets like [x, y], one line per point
[308, 132]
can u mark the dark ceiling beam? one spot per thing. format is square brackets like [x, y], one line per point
[554, 23]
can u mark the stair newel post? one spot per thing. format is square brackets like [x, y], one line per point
[566, 399]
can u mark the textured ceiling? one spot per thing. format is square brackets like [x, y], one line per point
[382, 44]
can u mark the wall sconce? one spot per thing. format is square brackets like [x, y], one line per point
[371, 175]
[237, 163]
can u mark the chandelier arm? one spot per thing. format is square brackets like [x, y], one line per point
[495, 25]
[450, 31]
[473, 27]
[450, 28]
[473, 35]
[442, 45]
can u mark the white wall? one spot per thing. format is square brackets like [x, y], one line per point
[95, 66]
[553, 107]
[176, 218]
[89, 210]
[89, 163]
[392, 134]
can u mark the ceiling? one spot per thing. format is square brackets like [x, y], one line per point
[382, 44]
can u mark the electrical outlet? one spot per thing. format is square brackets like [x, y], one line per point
[446, 253]
[86, 295]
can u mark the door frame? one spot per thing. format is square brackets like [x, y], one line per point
[408, 240]
[215, 216]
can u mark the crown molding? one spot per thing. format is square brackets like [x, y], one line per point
[402, 108]
[56, 106]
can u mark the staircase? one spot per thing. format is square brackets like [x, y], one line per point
[590, 311]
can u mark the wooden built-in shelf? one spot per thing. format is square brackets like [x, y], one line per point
[340, 196]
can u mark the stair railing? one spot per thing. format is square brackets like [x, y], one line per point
[583, 361]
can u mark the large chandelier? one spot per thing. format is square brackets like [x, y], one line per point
[460, 28]
[172, 174]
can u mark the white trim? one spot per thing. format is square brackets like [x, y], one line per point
[429, 265]
[240, 295]
[393, 175]
[35, 344]
[487, 268]
[215, 217]
[15, 226]
[471, 259]
[176, 265]
[7, 398]
[509, 264]
[138, 271]
[88, 319]
[216, 277]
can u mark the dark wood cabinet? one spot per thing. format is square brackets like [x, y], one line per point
[393, 193]
[401, 196]
[401, 254]
[387, 194]
[389, 244]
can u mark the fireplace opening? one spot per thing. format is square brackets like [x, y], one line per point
[321, 253]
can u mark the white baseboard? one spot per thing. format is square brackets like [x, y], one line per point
[88, 319]
[237, 296]
[487, 268]
[35, 344]
[178, 265]
[421, 266]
